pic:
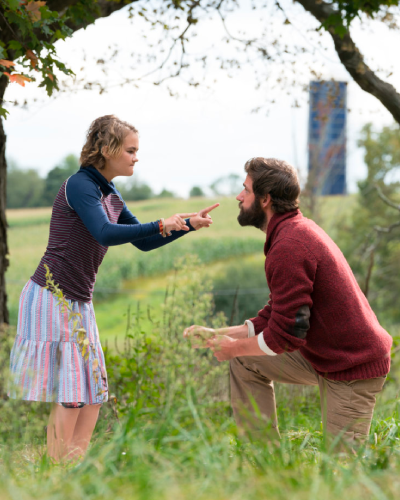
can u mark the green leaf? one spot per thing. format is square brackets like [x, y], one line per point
[3, 113]
[13, 4]
[14, 45]
[46, 30]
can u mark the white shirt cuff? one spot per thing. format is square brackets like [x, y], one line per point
[263, 346]
[250, 328]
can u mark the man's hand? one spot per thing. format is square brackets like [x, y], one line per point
[199, 335]
[203, 219]
[222, 347]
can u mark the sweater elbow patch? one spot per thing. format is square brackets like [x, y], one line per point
[301, 323]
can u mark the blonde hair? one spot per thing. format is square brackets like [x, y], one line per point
[104, 132]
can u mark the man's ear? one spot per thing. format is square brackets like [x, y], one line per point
[266, 201]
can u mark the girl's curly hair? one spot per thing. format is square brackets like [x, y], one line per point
[105, 132]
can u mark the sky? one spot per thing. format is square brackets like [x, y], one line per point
[207, 132]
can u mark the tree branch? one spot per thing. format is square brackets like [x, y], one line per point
[353, 60]
[385, 199]
[386, 229]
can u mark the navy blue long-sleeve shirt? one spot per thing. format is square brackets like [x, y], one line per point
[89, 215]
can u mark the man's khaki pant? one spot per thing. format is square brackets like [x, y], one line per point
[347, 406]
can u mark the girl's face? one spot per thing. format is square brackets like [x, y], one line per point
[124, 164]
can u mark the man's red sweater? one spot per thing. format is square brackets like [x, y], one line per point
[316, 305]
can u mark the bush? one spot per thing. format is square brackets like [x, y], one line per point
[241, 290]
[156, 367]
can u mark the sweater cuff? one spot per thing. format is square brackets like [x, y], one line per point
[191, 228]
[263, 346]
[272, 343]
[259, 324]
[250, 328]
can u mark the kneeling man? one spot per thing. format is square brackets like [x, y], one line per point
[317, 328]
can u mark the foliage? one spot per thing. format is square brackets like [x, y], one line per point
[56, 176]
[116, 267]
[157, 365]
[351, 9]
[374, 255]
[168, 430]
[33, 30]
[240, 289]
[227, 185]
[24, 187]
[165, 193]
[135, 190]
[170, 433]
[196, 191]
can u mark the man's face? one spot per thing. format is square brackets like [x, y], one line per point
[251, 213]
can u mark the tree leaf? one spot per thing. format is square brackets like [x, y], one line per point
[32, 57]
[7, 64]
[3, 113]
[18, 78]
[33, 9]
[14, 45]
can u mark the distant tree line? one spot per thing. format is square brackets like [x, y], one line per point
[27, 189]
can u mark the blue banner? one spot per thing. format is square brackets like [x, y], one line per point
[327, 137]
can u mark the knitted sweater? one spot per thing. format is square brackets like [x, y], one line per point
[316, 305]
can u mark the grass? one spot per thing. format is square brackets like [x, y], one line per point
[187, 445]
[191, 449]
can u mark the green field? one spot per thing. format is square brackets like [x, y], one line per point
[128, 276]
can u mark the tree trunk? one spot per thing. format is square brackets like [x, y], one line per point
[3, 221]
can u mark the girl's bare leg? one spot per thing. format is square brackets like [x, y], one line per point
[83, 430]
[60, 431]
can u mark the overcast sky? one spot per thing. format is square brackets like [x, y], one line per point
[208, 133]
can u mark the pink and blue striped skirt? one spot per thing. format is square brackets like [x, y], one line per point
[46, 360]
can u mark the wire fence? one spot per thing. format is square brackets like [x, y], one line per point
[134, 291]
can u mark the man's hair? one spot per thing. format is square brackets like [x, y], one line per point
[277, 178]
[104, 132]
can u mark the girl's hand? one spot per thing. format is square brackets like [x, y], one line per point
[177, 222]
[202, 219]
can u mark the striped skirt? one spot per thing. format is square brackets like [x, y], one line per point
[47, 362]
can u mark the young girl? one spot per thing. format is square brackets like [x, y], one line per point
[49, 361]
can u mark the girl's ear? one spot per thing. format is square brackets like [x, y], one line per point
[104, 152]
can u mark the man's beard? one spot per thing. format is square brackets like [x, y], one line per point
[253, 216]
